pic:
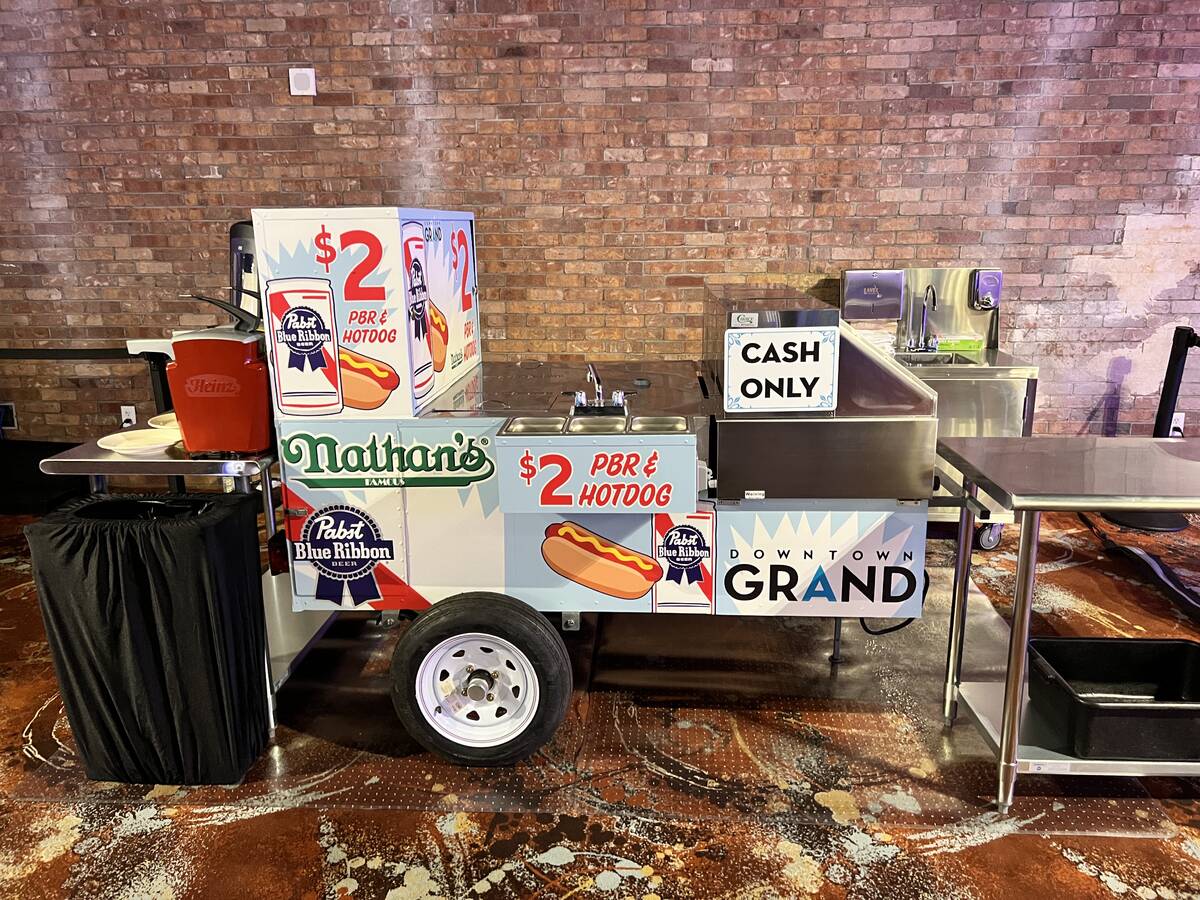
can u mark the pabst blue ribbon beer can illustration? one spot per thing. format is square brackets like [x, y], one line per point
[304, 342]
[412, 236]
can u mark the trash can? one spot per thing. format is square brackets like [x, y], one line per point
[153, 610]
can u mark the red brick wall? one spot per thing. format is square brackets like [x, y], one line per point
[615, 157]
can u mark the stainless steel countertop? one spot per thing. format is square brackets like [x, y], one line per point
[872, 385]
[1081, 474]
[532, 387]
[91, 459]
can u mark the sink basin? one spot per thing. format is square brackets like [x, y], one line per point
[935, 359]
[536, 425]
[596, 425]
[658, 424]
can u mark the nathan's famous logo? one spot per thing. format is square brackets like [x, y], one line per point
[384, 461]
[344, 545]
[305, 334]
[685, 550]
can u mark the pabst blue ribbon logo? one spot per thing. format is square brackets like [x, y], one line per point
[344, 545]
[684, 550]
[305, 334]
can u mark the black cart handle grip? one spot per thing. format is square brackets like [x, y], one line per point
[246, 321]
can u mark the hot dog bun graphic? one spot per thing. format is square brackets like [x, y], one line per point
[439, 337]
[595, 562]
[366, 382]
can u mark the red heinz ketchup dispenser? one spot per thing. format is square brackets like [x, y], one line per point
[221, 391]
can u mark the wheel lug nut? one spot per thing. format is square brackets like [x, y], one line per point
[464, 692]
[437, 709]
[495, 675]
[470, 668]
[491, 697]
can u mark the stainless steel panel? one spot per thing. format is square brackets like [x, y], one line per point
[826, 458]
[953, 315]
[991, 398]
[1081, 473]
[976, 407]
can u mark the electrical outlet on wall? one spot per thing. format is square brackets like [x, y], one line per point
[128, 416]
[1177, 425]
[302, 82]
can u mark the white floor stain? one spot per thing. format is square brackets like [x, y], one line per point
[973, 832]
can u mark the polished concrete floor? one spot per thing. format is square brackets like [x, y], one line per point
[700, 758]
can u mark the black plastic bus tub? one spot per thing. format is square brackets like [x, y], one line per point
[1118, 698]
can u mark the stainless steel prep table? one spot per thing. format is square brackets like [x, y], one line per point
[1030, 476]
[99, 464]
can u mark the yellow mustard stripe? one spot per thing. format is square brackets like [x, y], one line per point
[364, 364]
[640, 561]
[436, 314]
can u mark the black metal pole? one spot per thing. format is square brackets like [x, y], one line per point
[1158, 520]
[1184, 340]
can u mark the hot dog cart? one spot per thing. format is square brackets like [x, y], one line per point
[784, 471]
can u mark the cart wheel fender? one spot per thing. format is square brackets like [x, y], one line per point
[481, 679]
[987, 537]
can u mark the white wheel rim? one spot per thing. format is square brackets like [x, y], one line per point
[465, 663]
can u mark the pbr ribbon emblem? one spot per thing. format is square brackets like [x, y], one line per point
[344, 545]
[684, 550]
[305, 334]
[419, 295]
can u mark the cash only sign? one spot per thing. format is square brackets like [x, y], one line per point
[781, 369]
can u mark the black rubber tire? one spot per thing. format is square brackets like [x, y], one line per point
[504, 617]
[987, 537]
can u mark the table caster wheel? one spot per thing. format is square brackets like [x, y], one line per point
[987, 537]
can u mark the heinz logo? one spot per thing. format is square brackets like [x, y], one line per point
[212, 386]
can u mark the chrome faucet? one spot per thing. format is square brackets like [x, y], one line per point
[594, 377]
[615, 400]
[926, 342]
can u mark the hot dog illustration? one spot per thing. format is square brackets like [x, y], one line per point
[366, 382]
[596, 562]
[439, 337]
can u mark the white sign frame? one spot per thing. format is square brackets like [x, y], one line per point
[824, 393]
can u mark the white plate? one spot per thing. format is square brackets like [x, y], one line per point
[163, 420]
[140, 441]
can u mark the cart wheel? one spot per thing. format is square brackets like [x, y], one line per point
[987, 537]
[481, 679]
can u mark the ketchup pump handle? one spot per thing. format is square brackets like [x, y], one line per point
[246, 321]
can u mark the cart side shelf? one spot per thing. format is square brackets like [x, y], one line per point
[983, 701]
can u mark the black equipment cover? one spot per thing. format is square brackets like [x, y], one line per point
[153, 610]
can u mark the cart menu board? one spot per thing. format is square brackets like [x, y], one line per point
[369, 313]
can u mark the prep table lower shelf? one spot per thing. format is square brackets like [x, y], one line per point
[984, 700]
